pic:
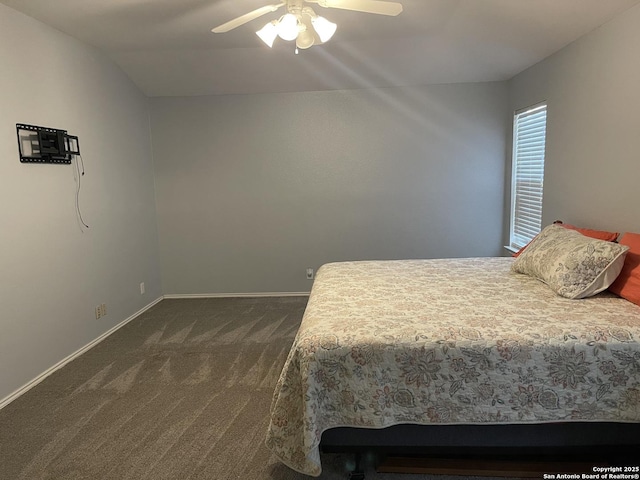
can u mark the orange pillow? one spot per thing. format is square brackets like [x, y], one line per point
[627, 285]
[597, 234]
[587, 232]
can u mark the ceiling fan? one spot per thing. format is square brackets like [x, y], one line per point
[300, 22]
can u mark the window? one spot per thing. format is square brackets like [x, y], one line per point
[529, 134]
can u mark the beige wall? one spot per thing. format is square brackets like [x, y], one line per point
[253, 189]
[52, 274]
[592, 88]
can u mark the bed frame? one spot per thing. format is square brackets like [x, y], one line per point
[615, 444]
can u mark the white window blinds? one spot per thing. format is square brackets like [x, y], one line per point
[529, 134]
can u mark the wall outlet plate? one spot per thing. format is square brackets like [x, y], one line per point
[309, 273]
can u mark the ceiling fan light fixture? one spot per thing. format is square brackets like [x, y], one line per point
[268, 33]
[288, 27]
[323, 27]
[305, 39]
[301, 23]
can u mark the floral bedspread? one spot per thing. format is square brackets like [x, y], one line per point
[450, 341]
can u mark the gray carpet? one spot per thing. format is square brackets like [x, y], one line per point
[182, 392]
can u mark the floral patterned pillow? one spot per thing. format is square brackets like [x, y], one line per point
[571, 264]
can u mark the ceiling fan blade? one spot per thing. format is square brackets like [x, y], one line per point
[247, 17]
[369, 6]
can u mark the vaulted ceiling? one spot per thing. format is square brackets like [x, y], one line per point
[167, 48]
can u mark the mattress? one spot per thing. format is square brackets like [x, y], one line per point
[450, 341]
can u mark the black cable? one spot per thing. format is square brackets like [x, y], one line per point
[78, 189]
[81, 160]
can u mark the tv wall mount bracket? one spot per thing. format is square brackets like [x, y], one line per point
[46, 145]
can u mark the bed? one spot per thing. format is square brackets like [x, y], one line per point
[448, 342]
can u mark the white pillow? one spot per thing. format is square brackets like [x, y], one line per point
[571, 264]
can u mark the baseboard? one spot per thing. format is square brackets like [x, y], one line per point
[237, 295]
[25, 388]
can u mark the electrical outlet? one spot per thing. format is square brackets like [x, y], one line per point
[103, 309]
[141, 288]
[309, 273]
[98, 312]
